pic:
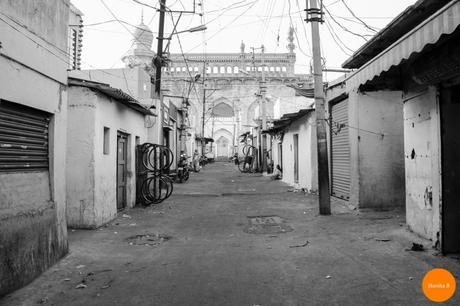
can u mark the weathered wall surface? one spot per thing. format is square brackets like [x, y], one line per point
[80, 157]
[421, 152]
[33, 233]
[380, 148]
[133, 81]
[308, 172]
[117, 117]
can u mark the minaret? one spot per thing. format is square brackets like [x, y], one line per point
[242, 57]
[291, 45]
[291, 54]
[141, 53]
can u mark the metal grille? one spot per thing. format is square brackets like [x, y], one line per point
[23, 138]
[340, 151]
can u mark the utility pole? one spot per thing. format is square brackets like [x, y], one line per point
[158, 62]
[203, 142]
[315, 16]
[263, 90]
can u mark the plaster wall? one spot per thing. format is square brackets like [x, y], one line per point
[117, 117]
[40, 26]
[380, 148]
[133, 81]
[422, 161]
[80, 163]
[308, 170]
[33, 233]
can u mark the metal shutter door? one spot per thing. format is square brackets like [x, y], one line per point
[23, 138]
[340, 148]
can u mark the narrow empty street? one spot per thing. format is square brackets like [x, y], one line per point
[226, 238]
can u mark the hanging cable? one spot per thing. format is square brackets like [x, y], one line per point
[359, 19]
[343, 27]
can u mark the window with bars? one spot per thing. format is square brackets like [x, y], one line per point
[23, 138]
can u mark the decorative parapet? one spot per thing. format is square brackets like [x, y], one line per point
[232, 64]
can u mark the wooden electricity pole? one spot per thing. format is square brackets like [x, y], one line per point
[263, 90]
[315, 16]
[158, 61]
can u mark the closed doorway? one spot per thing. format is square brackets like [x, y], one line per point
[340, 151]
[122, 168]
[296, 158]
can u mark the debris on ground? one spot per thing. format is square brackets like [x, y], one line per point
[66, 279]
[148, 239]
[411, 278]
[416, 247]
[382, 239]
[80, 266]
[126, 216]
[300, 245]
[81, 286]
[43, 300]
[328, 276]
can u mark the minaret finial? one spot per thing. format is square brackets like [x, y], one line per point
[142, 15]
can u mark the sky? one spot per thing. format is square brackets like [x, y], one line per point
[348, 23]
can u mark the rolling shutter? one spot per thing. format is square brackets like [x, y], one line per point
[23, 138]
[340, 148]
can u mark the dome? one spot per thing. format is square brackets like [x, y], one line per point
[143, 37]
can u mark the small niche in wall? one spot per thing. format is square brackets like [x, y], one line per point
[106, 148]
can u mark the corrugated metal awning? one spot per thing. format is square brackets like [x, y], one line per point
[444, 21]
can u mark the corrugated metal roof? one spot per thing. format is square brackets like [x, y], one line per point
[444, 21]
[398, 27]
[286, 120]
[115, 93]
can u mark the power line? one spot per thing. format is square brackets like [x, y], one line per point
[295, 32]
[231, 22]
[124, 26]
[359, 19]
[337, 39]
[343, 27]
[145, 4]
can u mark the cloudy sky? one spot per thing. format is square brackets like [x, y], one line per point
[348, 23]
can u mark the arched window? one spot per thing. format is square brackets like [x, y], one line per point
[272, 69]
[184, 69]
[278, 69]
[195, 69]
[259, 68]
[283, 69]
[215, 69]
[208, 70]
[236, 69]
[222, 69]
[248, 69]
[229, 69]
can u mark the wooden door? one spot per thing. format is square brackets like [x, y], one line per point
[121, 170]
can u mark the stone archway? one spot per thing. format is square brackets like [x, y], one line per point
[223, 148]
[223, 144]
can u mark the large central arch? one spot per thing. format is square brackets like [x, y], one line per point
[223, 144]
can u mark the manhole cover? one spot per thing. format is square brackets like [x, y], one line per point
[267, 225]
[148, 239]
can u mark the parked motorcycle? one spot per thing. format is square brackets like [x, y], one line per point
[183, 169]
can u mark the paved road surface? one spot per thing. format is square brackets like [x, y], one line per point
[200, 248]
